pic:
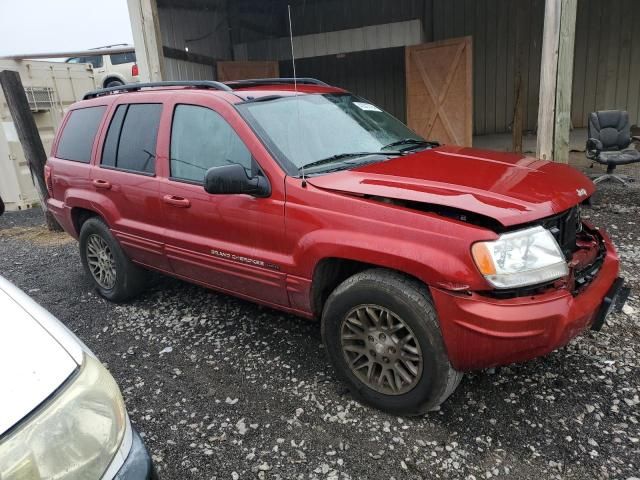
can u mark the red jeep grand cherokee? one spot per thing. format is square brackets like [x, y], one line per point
[422, 261]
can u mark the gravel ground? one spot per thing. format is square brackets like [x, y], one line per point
[222, 388]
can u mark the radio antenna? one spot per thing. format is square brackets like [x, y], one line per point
[295, 81]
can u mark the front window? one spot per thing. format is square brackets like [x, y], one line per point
[202, 139]
[311, 129]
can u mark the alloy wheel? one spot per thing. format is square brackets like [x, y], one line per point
[381, 349]
[101, 263]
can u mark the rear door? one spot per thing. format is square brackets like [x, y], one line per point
[231, 242]
[125, 178]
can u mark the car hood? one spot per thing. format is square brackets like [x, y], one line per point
[510, 188]
[35, 363]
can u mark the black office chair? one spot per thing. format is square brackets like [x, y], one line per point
[609, 143]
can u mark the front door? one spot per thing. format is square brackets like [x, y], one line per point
[230, 242]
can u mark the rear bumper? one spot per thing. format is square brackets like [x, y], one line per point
[482, 332]
[62, 214]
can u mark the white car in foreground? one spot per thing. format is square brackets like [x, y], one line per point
[61, 413]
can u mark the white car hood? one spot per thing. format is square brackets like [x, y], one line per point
[33, 363]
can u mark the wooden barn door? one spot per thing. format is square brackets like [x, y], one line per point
[440, 90]
[228, 71]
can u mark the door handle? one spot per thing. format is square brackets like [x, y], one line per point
[176, 201]
[102, 184]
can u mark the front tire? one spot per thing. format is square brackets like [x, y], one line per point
[113, 274]
[381, 333]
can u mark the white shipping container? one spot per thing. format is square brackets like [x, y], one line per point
[51, 87]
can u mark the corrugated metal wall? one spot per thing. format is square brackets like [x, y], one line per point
[204, 32]
[175, 69]
[377, 75]
[490, 23]
[607, 61]
[493, 25]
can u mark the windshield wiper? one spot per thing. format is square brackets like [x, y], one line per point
[342, 156]
[411, 141]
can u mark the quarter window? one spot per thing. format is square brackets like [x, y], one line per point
[202, 139]
[76, 141]
[131, 139]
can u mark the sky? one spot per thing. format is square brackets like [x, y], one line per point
[41, 26]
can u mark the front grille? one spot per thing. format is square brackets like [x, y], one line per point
[564, 227]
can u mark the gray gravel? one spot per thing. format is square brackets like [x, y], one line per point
[221, 388]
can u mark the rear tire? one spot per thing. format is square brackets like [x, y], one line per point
[366, 322]
[113, 274]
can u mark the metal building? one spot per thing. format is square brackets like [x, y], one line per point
[359, 45]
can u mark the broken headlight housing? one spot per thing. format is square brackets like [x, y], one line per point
[521, 258]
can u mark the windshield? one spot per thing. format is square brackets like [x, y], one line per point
[308, 129]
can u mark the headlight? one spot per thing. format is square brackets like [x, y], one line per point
[75, 436]
[521, 258]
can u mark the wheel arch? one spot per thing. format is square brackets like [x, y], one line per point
[113, 76]
[79, 215]
[329, 272]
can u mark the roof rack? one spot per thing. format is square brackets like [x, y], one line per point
[274, 81]
[132, 87]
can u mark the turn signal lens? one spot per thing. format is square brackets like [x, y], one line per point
[483, 259]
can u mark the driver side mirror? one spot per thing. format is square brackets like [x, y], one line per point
[233, 179]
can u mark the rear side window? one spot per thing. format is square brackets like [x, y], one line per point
[76, 140]
[131, 138]
[120, 58]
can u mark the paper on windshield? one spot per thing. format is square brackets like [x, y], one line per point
[367, 107]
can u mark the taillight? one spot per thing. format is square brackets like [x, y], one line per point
[134, 70]
[48, 180]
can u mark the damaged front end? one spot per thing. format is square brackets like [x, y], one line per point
[581, 243]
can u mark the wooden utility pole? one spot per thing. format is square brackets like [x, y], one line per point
[556, 75]
[565, 80]
[548, 77]
[147, 39]
[29, 137]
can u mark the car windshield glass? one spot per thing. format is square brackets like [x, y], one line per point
[305, 129]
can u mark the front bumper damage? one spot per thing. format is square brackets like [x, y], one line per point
[481, 331]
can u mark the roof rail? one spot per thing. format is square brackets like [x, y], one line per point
[132, 87]
[274, 81]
